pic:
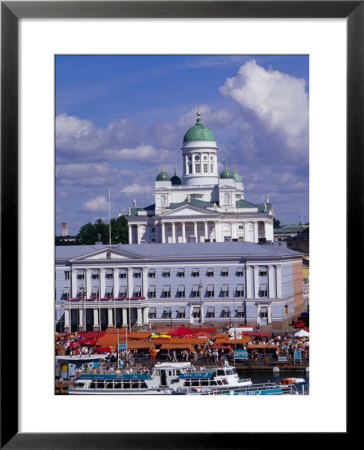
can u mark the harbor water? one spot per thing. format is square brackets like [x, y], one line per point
[266, 377]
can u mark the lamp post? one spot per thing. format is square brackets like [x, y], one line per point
[199, 291]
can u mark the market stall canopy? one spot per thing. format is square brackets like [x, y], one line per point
[139, 345]
[302, 333]
[256, 333]
[177, 347]
[140, 335]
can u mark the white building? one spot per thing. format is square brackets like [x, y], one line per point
[201, 206]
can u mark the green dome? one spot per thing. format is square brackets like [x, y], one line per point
[199, 133]
[237, 177]
[163, 176]
[226, 173]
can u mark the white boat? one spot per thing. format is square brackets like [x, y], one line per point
[174, 379]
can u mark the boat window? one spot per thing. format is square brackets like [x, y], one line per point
[135, 386]
[213, 383]
[126, 384]
[100, 385]
[220, 372]
[109, 385]
[204, 383]
[178, 372]
[233, 371]
[187, 383]
[80, 385]
[224, 381]
[117, 385]
[228, 372]
[92, 385]
[219, 382]
[195, 383]
[144, 385]
[156, 373]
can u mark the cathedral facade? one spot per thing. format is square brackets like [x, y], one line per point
[201, 205]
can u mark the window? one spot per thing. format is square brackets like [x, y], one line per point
[152, 313]
[196, 312]
[205, 168]
[190, 168]
[197, 168]
[109, 274]
[153, 229]
[241, 227]
[67, 275]
[122, 273]
[95, 276]
[181, 291]
[210, 290]
[167, 291]
[80, 275]
[181, 313]
[196, 290]
[225, 312]
[263, 272]
[151, 291]
[167, 313]
[210, 272]
[239, 272]
[263, 291]
[210, 312]
[137, 273]
[212, 167]
[240, 290]
[224, 272]
[240, 312]
[166, 273]
[151, 273]
[181, 273]
[195, 272]
[137, 291]
[225, 290]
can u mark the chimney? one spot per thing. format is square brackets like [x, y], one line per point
[65, 229]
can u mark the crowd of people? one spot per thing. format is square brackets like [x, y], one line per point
[276, 345]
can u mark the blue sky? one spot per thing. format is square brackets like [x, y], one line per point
[119, 119]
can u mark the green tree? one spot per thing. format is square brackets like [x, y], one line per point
[276, 223]
[99, 231]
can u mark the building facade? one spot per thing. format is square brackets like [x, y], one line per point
[243, 283]
[201, 205]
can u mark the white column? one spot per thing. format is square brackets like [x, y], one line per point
[163, 233]
[81, 319]
[125, 317]
[279, 280]
[74, 282]
[270, 281]
[173, 232]
[256, 281]
[201, 314]
[255, 232]
[139, 317]
[130, 282]
[102, 283]
[248, 282]
[67, 320]
[116, 282]
[183, 232]
[191, 314]
[130, 234]
[195, 230]
[88, 283]
[110, 323]
[258, 313]
[96, 325]
[269, 314]
[206, 231]
[145, 282]
[146, 315]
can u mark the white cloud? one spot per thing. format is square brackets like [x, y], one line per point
[211, 118]
[139, 153]
[98, 204]
[136, 189]
[277, 99]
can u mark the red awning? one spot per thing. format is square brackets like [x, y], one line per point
[183, 331]
[88, 342]
[105, 349]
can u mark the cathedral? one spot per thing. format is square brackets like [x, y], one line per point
[201, 205]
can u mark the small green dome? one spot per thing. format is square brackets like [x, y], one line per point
[199, 133]
[237, 177]
[176, 180]
[163, 176]
[226, 173]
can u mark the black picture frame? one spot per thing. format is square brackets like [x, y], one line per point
[11, 12]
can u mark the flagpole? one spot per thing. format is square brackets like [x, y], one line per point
[118, 348]
[109, 221]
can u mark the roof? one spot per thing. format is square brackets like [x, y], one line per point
[197, 249]
[199, 133]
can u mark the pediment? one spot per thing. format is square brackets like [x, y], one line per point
[106, 254]
[189, 210]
